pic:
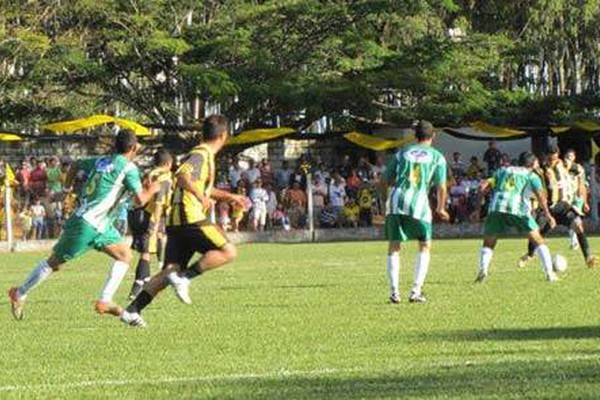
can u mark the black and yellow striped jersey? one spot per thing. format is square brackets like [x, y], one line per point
[164, 178]
[557, 182]
[186, 209]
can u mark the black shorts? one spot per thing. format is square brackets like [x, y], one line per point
[184, 241]
[140, 224]
[563, 213]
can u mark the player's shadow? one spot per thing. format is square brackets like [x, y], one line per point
[455, 380]
[552, 333]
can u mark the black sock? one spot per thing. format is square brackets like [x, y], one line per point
[531, 248]
[142, 271]
[140, 302]
[584, 244]
[191, 272]
[159, 249]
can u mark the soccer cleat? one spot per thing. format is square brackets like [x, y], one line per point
[108, 307]
[592, 262]
[523, 261]
[417, 297]
[133, 319]
[16, 304]
[481, 277]
[574, 246]
[181, 285]
[136, 289]
[395, 298]
[552, 277]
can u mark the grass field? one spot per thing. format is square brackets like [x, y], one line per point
[312, 321]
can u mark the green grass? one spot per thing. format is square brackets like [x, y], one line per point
[312, 321]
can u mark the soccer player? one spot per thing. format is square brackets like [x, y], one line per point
[189, 229]
[146, 221]
[510, 206]
[578, 187]
[566, 205]
[410, 174]
[109, 180]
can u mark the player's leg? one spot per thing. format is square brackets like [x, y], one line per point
[216, 252]
[74, 241]
[542, 251]
[544, 226]
[394, 235]
[142, 275]
[42, 271]
[485, 256]
[421, 269]
[121, 254]
[577, 227]
[573, 240]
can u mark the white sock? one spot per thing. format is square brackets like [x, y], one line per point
[115, 276]
[421, 268]
[485, 259]
[544, 254]
[39, 274]
[574, 240]
[393, 271]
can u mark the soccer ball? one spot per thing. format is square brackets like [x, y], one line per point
[559, 263]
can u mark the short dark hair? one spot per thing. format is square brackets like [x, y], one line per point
[554, 149]
[527, 159]
[570, 151]
[424, 130]
[161, 157]
[125, 141]
[214, 126]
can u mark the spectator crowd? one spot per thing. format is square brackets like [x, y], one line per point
[347, 194]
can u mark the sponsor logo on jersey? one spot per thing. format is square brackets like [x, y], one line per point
[419, 156]
[104, 165]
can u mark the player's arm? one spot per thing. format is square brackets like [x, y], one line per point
[543, 205]
[223, 195]
[184, 181]
[73, 169]
[441, 179]
[141, 194]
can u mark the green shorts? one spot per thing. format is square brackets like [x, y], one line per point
[79, 236]
[498, 223]
[400, 228]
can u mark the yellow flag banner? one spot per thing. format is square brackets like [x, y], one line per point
[95, 120]
[496, 130]
[9, 137]
[258, 135]
[588, 125]
[374, 143]
[9, 176]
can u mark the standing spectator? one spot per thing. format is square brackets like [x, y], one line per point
[39, 180]
[295, 201]
[259, 198]
[337, 194]
[281, 219]
[235, 174]
[364, 169]
[351, 213]
[505, 161]
[346, 167]
[282, 176]
[252, 174]
[492, 157]
[352, 183]
[237, 212]
[379, 167]
[474, 170]
[54, 174]
[24, 178]
[223, 219]
[26, 222]
[266, 173]
[319, 193]
[271, 204]
[457, 166]
[365, 197]
[38, 213]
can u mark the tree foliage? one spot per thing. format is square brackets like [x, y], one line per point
[167, 61]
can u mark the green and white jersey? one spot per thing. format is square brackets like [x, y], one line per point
[415, 168]
[513, 188]
[109, 181]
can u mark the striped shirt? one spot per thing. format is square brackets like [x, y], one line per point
[513, 188]
[109, 182]
[164, 178]
[415, 168]
[186, 209]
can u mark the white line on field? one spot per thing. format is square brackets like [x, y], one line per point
[276, 374]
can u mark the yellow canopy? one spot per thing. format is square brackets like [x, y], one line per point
[374, 143]
[588, 125]
[495, 130]
[560, 129]
[258, 135]
[95, 120]
[9, 137]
